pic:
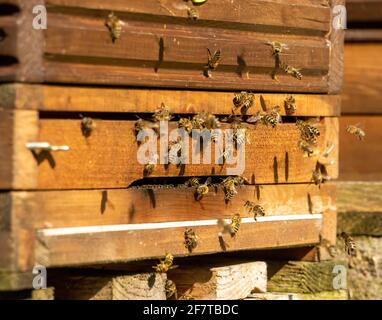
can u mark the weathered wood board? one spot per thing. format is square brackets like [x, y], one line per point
[160, 46]
[366, 11]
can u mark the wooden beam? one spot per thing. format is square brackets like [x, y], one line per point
[118, 243]
[363, 35]
[360, 160]
[223, 282]
[301, 277]
[15, 281]
[364, 10]
[90, 99]
[325, 295]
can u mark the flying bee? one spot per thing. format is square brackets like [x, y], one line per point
[165, 264]
[190, 239]
[255, 209]
[202, 189]
[277, 47]
[293, 72]
[356, 131]
[232, 228]
[320, 175]
[171, 290]
[350, 246]
[192, 182]
[272, 117]
[114, 24]
[186, 124]
[308, 132]
[243, 100]
[290, 105]
[87, 126]
[213, 62]
[193, 14]
[162, 114]
[150, 165]
[306, 147]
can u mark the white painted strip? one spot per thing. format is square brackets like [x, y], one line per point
[165, 225]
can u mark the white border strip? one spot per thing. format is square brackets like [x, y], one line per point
[165, 225]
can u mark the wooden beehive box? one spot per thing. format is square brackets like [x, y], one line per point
[78, 207]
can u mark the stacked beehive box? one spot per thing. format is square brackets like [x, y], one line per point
[79, 199]
[360, 189]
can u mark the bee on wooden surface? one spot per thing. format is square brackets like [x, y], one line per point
[211, 121]
[244, 101]
[272, 117]
[294, 72]
[150, 165]
[87, 126]
[290, 105]
[193, 14]
[229, 186]
[114, 24]
[165, 264]
[190, 239]
[320, 175]
[277, 47]
[255, 209]
[232, 228]
[198, 121]
[350, 246]
[192, 182]
[258, 117]
[308, 132]
[171, 290]
[202, 189]
[175, 151]
[240, 135]
[306, 147]
[162, 114]
[213, 62]
[186, 124]
[356, 131]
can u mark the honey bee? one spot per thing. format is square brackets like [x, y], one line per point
[190, 239]
[229, 185]
[211, 121]
[319, 175]
[114, 24]
[150, 165]
[356, 131]
[175, 151]
[141, 124]
[202, 189]
[186, 124]
[240, 135]
[165, 264]
[244, 101]
[193, 14]
[192, 182]
[198, 121]
[255, 209]
[213, 62]
[87, 126]
[272, 117]
[171, 290]
[350, 246]
[308, 132]
[293, 72]
[277, 47]
[162, 114]
[231, 228]
[290, 105]
[306, 147]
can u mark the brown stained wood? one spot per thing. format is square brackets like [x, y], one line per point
[107, 158]
[361, 160]
[57, 209]
[88, 99]
[166, 50]
[363, 78]
[229, 282]
[118, 246]
[364, 10]
[363, 35]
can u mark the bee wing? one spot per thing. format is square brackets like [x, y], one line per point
[209, 54]
[253, 119]
[208, 181]
[314, 120]
[174, 266]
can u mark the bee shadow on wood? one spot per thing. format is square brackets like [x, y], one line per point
[222, 243]
[3, 35]
[44, 155]
[257, 191]
[286, 166]
[151, 194]
[131, 213]
[160, 54]
[182, 169]
[242, 66]
[103, 201]
[151, 280]
[263, 104]
[310, 203]
[275, 170]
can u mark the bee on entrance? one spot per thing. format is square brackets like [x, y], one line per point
[162, 114]
[114, 24]
[277, 47]
[186, 124]
[190, 239]
[175, 152]
[230, 184]
[350, 246]
[202, 189]
[193, 14]
[290, 105]
[356, 131]
[255, 209]
[309, 133]
[87, 126]
[306, 147]
[165, 264]
[150, 165]
[231, 228]
[272, 117]
[171, 290]
[293, 72]
[240, 135]
[192, 182]
[320, 175]
[213, 62]
[244, 101]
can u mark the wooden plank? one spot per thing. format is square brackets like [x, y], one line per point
[364, 10]
[14, 281]
[90, 99]
[272, 156]
[362, 74]
[86, 284]
[301, 277]
[156, 49]
[360, 160]
[325, 295]
[363, 35]
[70, 246]
[220, 282]
[360, 208]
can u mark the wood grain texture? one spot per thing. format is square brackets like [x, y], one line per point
[325, 295]
[363, 35]
[364, 10]
[160, 46]
[14, 281]
[301, 277]
[55, 249]
[273, 156]
[90, 99]
[361, 160]
[229, 282]
[363, 78]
